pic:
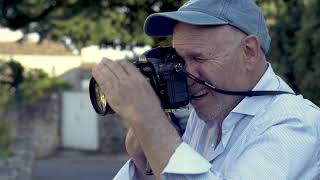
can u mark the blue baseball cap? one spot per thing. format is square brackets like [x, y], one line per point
[245, 15]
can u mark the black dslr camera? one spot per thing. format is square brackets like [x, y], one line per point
[161, 67]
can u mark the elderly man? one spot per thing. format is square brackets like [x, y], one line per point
[223, 42]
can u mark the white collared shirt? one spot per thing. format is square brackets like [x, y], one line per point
[264, 137]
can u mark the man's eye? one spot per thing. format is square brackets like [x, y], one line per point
[199, 59]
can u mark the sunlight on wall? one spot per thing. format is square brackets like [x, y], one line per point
[53, 65]
[6, 35]
[93, 54]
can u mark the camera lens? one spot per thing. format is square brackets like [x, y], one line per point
[101, 98]
[98, 99]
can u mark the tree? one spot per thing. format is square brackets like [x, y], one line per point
[306, 52]
[284, 38]
[11, 73]
[294, 48]
[86, 22]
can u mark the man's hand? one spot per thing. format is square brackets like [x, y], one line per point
[131, 96]
[127, 91]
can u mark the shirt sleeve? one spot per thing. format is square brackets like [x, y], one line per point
[284, 151]
[126, 172]
[193, 167]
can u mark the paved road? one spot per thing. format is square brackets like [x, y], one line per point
[78, 167]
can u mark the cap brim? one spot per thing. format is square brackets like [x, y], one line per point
[162, 24]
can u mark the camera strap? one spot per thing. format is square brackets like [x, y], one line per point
[232, 93]
[176, 124]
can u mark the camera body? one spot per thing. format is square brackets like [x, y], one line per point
[159, 66]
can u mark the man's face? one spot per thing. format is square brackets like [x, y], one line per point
[213, 54]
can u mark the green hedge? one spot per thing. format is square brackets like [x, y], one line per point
[5, 139]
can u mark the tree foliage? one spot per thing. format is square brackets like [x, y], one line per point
[284, 38]
[11, 76]
[86, 22]
[306, 52]
[295, 40]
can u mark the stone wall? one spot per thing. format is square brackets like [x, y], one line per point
[19, 166]
[39, 121]
[112, 134]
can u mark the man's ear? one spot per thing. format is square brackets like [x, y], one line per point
[252, 51]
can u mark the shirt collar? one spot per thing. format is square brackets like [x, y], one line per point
[251, 105]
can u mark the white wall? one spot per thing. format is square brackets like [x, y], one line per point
[53, 65]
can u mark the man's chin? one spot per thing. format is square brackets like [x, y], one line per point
[203, 116]
[208, 117]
